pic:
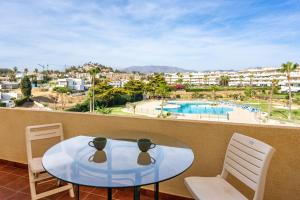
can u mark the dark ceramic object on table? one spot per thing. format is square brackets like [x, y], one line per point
[98, 143]
[145, 144]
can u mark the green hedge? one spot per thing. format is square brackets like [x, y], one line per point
[2, 104]
[219, 88]
[20, 102]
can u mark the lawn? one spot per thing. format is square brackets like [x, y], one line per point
[278, 114]
[117, 110]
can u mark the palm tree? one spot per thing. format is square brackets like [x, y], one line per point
[206, 80]
[170, 78]
[214, 88]
[251, 76]
[241, 80]
[15, 69]
[199, 80]
[25, 71]
[180, 78]
[190, 76]
[163, 91]
[274, 84]
[93, 72]
[287, 68]
[224, 80]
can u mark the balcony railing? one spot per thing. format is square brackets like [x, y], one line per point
[207, 139]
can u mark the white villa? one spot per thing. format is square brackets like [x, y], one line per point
[9, 85]
[8, 98]
[71, 83]
[253, 77]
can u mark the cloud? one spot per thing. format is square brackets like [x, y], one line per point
[192, 34]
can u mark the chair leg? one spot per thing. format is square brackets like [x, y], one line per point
[71, 191]
[58, 183]
[32, 185]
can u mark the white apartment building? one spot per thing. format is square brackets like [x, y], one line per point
[248, 77]
[71, 83]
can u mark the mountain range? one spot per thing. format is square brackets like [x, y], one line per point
[155, 69]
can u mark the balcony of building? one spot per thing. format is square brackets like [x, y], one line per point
[208, 141]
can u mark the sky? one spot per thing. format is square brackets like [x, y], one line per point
[192, 34]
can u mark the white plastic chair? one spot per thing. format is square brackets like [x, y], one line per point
[35, 168]
[247, 159]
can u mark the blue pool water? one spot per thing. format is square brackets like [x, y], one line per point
[198, 108]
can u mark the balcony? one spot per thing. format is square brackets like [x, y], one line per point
[207, 139]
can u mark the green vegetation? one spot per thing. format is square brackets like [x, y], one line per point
[288, 68]
[224, 88]
[20, 102]
[224, 80]
[154, 82]
[106, 96]
[93, 72]
[62, 92]
[2, 104]
[135, 89]
[26, 86]
[104, 110]
[163, 90]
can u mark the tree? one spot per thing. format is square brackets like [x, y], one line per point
[206, 79]
[170, 78]
[251, 76]
[112, 97]
[93, 72]
[163, 90]
[62, 91]
[190, 76]
[214, 88]
[15, 69]
[179, 78]
[154, 82]
[26, 86]
[36, 70]
[249, 92]
[224, 80]
[287, 68]
[25, 71]
[274, 85]
[135, 88]
[241, 80]
[133, 106]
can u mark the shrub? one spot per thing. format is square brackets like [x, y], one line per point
[20, 102]
[104, 110]
[81, 107]
[197, 95]
[2, 104]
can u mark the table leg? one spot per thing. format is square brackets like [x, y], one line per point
[77, 192]
[136, 193]
[109, 194]
[156, 191]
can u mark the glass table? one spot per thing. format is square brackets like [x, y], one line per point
[120, 164]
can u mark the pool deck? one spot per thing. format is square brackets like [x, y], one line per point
[238, 115]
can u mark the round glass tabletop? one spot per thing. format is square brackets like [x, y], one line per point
[120, 164]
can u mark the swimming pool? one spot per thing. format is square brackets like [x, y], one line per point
[197, 108]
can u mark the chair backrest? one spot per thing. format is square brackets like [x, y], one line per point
[248, 160]
[41, 132]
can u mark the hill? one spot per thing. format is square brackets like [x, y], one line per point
[155, 69]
